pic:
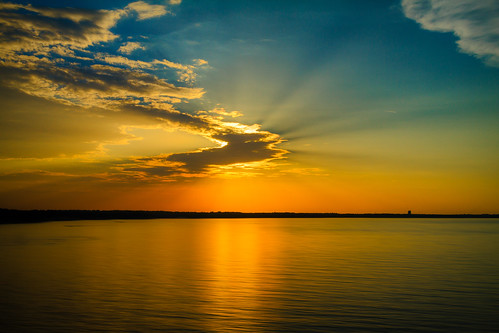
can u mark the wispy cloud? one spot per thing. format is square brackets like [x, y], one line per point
[185, 73]
[146, 11]
[475, 23]
[129, 47]
[222, 112]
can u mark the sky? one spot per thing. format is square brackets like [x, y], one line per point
[255, 106]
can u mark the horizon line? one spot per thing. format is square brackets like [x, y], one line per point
[45, 215]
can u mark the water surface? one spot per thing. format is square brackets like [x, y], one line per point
[253, 275]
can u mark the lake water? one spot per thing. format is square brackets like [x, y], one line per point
[251, 275]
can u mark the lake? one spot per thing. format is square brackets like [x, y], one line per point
[251, 275]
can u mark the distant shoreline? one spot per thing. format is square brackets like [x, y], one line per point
[13, 216]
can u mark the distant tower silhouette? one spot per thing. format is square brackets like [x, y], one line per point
[409, 212]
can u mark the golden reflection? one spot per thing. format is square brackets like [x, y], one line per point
[240, 273]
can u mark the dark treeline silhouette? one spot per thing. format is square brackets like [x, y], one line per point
[30, 216]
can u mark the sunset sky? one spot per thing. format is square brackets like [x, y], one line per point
[264, 105]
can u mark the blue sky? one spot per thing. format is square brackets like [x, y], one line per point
[357, 56]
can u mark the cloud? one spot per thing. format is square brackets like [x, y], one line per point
[237, 148]
[129, 47]
[44, 52]
[175, 2]
[120, 60]
[223, 112]
[29, 28]
[475, 23]
[96, 85]
[239, 145]
[185, 72]
[200, 62]
[146, 11]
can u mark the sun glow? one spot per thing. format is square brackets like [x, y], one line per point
[248, 129]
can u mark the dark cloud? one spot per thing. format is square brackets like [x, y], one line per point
[240, 148]
[238, 144]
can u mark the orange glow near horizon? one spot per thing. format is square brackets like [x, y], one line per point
[344, 193]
